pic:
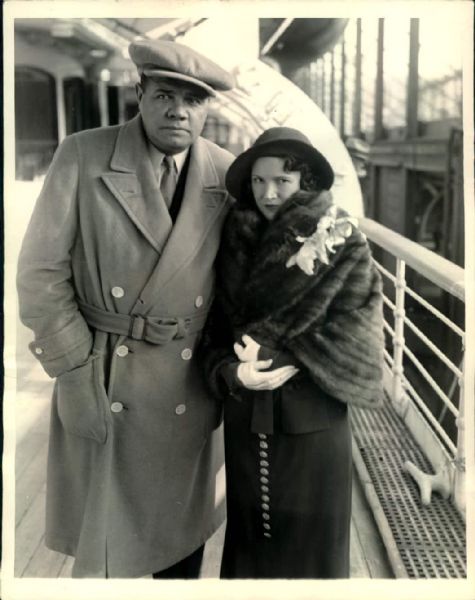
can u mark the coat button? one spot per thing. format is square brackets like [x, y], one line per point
[117, 407]
[186, 354]
[180, 409]
[122, 351]
[38, 351]
[117, 291]
[199, 301]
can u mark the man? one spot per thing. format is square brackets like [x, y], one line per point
[115, 279]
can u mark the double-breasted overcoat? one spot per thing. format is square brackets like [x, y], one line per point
[135, 453]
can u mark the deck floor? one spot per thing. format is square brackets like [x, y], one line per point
[33, 559]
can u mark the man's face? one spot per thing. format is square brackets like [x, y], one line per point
[173, 113]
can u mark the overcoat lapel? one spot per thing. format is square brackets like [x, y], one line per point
[133, 183]
[203, 201]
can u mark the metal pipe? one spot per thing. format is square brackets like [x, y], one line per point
[342, 91]
[413, 81]
[332, 87]
[275, 36]
[379, 84]
[357, 97]
[397, 395]
[459, 483]
[60, 108]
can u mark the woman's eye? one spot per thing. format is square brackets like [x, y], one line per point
[283, 180]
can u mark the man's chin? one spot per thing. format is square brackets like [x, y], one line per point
[173, 144]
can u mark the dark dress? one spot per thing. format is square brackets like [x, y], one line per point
[288, 494]
[288, 452]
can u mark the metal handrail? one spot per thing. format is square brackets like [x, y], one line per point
[449, 277]
[442, 272]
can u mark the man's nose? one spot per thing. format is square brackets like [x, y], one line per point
[177, 108]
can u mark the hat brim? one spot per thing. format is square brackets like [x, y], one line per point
[173, 75]
[240, 170]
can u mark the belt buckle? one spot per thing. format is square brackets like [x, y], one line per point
[182, 327]
[137, 327]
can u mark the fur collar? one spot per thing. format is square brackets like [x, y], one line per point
[252, 271]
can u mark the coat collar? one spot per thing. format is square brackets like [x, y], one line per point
[203, 201]
[133, 183]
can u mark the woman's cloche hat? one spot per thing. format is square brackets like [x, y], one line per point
[278, 141]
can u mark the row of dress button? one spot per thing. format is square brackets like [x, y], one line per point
[264, 472]
[119, 292]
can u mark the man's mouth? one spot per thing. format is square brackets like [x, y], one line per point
[175, 128]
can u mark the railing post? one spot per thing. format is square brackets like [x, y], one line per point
[398, 397]
[459, 483]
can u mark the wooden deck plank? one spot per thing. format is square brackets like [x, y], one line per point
[29, 486]
[358, 566]
[29, 533]
[45, 562]
[369, 536]
[67, 567]
[212, 554]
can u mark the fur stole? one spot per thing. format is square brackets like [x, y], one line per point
[330, 320]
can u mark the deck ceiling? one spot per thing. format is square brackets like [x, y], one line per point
[302, 40]
[87, 40]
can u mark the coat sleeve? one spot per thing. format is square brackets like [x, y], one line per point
[46, 293]
[343, 349]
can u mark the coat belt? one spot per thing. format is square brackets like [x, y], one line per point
[156, 330]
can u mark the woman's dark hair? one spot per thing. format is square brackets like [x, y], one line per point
[308, 180]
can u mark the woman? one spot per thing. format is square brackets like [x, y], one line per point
[297, 293]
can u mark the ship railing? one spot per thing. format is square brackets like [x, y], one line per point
[406, 373]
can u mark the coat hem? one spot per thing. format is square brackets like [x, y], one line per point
[69, 548]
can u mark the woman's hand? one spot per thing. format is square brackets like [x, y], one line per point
[249, 352]
[250, 375]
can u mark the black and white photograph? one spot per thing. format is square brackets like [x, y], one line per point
[239, 279]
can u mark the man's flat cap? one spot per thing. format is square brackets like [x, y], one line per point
[176, 61]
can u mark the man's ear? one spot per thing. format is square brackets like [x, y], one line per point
[139, 92]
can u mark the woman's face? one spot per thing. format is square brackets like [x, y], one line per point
[271, 185]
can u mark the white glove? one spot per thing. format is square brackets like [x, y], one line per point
[249, 352]
[250, 375]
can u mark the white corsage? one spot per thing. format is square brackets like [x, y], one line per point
[330, 232]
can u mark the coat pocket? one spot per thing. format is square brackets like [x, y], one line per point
[81, 400]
